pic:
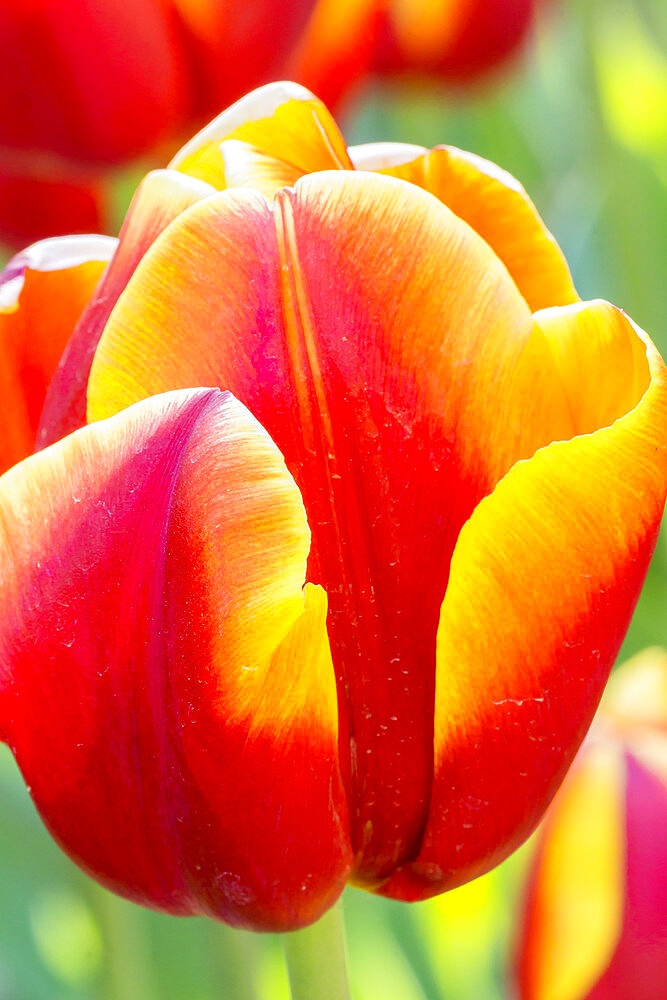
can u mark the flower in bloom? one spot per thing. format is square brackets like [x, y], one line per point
[345, 614]
[89, 84]
[595, 921]
[456, 41]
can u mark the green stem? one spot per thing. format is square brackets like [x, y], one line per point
[127, 950]
[317, 960]
[236, 954]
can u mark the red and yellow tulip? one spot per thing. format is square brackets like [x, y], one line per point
[456, 41]
[595, 921]
[347, 620]
[89, 84]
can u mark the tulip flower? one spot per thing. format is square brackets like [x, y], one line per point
[595, 921]
[345, 613]
[456, 41]
[90, 84]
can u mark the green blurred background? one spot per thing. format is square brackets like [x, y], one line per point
[581, 120]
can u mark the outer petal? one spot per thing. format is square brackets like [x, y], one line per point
[167, 690]
[493, 203]
[281, 121]
[544, 579]
[388, 354]
[160, 198]
[42, 293]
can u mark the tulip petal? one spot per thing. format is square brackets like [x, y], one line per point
[577, 893]
[400, 375]
[42, 294]
[282, 121]
[493, 203]
[248, 166]
[388, 157]
[160, 198]
[543, 581]
[157, 642]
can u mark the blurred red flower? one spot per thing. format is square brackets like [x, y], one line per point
[88, 84]
[595, 919]
[456, 41]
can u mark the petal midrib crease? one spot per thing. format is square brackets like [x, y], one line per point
[350, 573]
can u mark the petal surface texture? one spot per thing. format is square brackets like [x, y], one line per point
[160, 198]
[543, 582]
[167, 686]
[492, 202]
[274, 136]
[390, 356]
[43, 292]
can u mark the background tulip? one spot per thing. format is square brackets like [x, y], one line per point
[319, 639]
[96, 84]
[595, 922]
[90, 84]
[455, 41]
